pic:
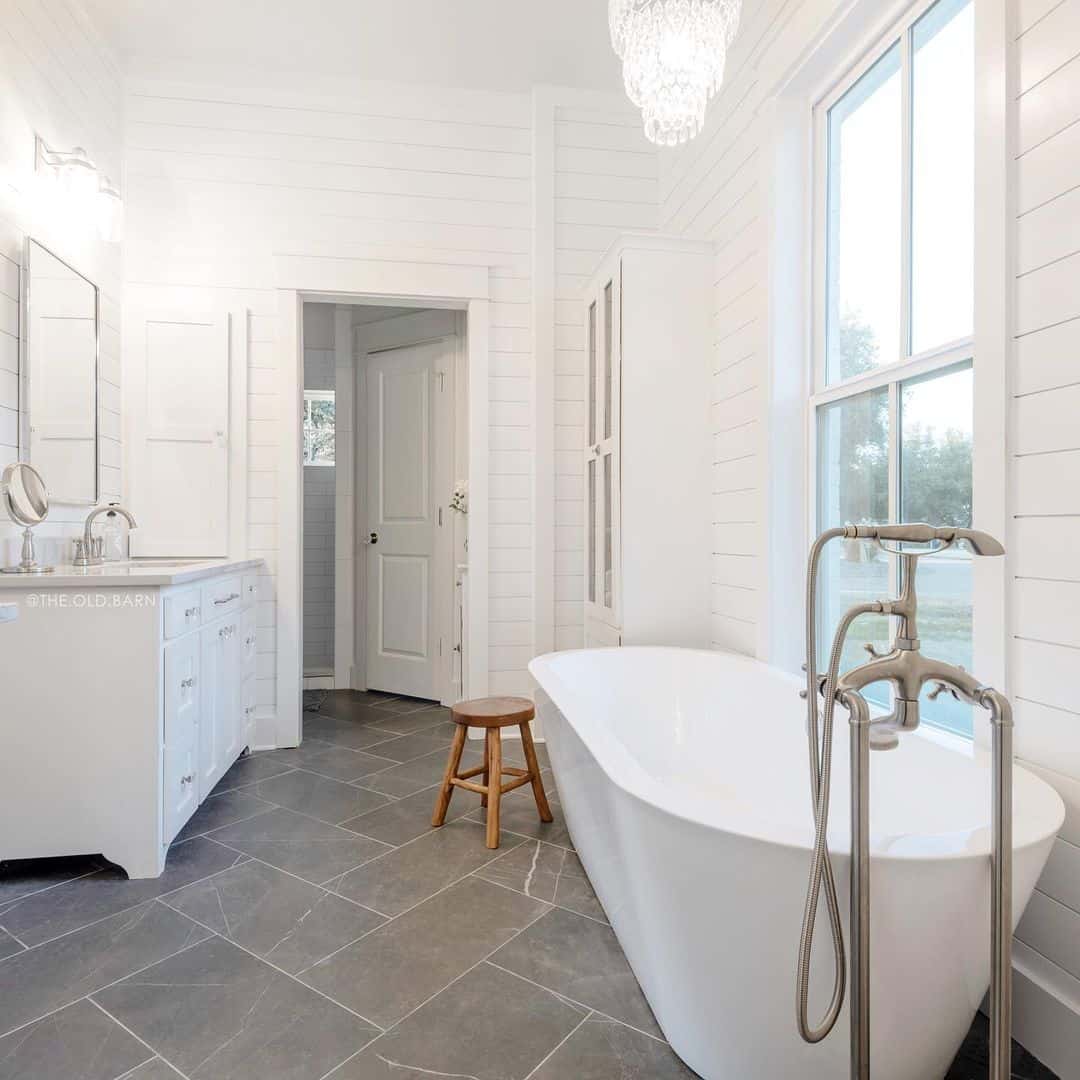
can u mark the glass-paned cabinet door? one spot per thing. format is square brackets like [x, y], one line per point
[601, 466]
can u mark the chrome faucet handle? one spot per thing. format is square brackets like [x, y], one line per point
[942, 688]
[869, 647]
[79, 555]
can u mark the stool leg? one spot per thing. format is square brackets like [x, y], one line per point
[487, 759]
[534, 770]
[447, 789]
[494, 750]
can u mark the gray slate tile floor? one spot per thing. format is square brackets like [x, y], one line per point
[310, 925]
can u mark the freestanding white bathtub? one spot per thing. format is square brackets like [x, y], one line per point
[683, 776]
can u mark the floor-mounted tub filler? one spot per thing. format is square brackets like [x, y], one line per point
[684, 778]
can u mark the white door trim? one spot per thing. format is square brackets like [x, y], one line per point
[336, 280]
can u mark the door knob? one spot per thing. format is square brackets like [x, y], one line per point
[373, 538]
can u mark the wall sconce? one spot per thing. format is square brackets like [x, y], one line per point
[92, 192]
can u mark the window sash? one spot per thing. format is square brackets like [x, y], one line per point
[891, 375]
[939, 356]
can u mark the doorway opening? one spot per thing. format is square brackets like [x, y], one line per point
[384, 449]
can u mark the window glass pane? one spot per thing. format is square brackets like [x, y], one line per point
[318, 427]
[853, 471]
[590, 528]
[935, 486]
[608, 535]
[863, 259]
[590, 389]
[943, 174]
[607, 358]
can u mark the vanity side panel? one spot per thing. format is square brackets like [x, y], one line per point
[81, 726]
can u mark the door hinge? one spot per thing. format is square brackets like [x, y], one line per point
[440, 516]
[440, 646]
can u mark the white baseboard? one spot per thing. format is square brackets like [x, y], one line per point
[1046, 1011]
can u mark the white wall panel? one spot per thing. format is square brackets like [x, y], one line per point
[57, 79]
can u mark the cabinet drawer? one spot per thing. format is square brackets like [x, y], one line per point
[251, 588]
[183, 612]
[221, 597]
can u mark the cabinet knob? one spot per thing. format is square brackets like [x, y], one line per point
[186, 684]
[191, 612]
[187, 779]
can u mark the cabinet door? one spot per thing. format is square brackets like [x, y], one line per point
[230, 719]
[213, 659]
[247, 735]
[249, 647]
[177, 374]
[182, 699]
[181, 785]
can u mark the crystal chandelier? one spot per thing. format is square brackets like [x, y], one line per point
[673, 54]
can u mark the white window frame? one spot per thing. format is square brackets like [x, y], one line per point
[838, 45]
[319, 395]
[935, 361]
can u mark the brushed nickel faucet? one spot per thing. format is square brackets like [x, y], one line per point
[90, 551]
[907, 671]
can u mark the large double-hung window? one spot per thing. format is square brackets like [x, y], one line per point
[891, 408]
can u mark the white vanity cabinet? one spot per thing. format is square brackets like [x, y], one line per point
[129, 693]
[649, 359]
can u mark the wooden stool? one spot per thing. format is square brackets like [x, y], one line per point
[492, 713]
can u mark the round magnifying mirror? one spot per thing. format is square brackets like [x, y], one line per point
[26, 500]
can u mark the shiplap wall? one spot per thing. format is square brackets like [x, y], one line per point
[320, 497]
[1046, 461]
[713, 189]
[221, 180]
[58, 80]
[606, 184]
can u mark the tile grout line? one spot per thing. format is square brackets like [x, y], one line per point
[559, 993]
[453, 982]
[518, 892]
[44, 889]
[106, 986]
[241, 858]
[412, 907]
[154, 1053]
[562, 1042]
[271, 964]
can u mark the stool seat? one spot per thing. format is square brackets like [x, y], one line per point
[493, 712]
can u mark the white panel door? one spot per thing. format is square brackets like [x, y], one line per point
[401, 643]
[179, 408]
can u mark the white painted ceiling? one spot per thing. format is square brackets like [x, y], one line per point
[507, 45]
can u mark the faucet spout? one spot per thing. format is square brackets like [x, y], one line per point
[85, 554]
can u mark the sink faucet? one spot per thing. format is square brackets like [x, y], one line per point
[90, 552]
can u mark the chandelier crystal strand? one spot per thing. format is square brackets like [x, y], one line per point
[673, 54]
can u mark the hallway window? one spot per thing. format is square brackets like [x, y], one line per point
[892, 399]
[318, 427]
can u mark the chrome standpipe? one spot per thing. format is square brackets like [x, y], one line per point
[907, 671]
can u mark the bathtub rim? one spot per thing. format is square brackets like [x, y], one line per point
[624, 771]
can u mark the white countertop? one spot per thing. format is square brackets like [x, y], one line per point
[136, 574]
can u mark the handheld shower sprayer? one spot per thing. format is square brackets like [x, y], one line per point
[907, 671]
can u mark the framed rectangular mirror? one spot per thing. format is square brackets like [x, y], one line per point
[58, 423]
